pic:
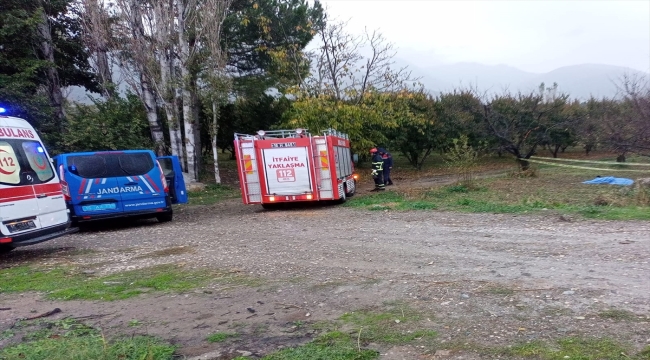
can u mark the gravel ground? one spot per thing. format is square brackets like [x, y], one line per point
[480, 279]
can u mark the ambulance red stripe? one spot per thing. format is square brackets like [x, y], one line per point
[16, 191]
[47, 188]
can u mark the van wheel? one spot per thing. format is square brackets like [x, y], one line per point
[5, 249]
[166, 217]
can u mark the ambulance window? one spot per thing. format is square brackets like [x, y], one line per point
[38, 161]
[9, 166]
[135, 164]
[90, 167]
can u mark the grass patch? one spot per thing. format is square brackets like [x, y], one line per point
[221, 336]
[557, 190]
[69, 340]
[69, 284]
[397, 325]
[334, 345]
[574, 349]
[213, 194]
[618, 315]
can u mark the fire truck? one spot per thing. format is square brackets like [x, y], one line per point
[286, 166]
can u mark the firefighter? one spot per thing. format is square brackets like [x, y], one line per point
[388, 165]
[377, 170]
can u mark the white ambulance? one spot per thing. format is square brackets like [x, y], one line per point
[32, 207]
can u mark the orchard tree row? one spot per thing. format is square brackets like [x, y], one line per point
[181, 76]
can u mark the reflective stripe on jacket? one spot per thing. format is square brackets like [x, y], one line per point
[377, 162]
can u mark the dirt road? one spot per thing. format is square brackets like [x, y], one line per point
[479, 278]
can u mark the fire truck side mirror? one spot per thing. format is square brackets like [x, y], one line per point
[355, 158]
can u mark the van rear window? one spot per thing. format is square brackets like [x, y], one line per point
[111, 165]
[24, 163]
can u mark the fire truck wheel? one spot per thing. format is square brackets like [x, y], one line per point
[351, 193]
[344, 196]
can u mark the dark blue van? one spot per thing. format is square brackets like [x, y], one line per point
[111, 184]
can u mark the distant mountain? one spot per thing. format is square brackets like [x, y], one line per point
[580, 81]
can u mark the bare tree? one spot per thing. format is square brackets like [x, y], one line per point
[137, 54]
[98, 39]
[341, 70]
[166, 84]
[213, 13]
[53, 83]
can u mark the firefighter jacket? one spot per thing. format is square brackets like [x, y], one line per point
[388, 160]
[377, 163]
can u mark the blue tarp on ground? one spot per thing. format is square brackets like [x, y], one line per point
[610, 180]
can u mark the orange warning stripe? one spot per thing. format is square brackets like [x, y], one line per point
[324, 162]
[248, 164]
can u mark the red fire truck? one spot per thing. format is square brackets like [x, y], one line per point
[281, 166]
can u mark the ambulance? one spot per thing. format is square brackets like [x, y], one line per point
[285, 166]
[32, 207]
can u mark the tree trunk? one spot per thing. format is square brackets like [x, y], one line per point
[148, 98]
[215, 150]
[53, 84]
[152, 116]
[164, 20]
[188, 118]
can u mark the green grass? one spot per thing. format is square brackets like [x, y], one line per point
[334, 345]
[69, 340]
[397, 325]
[619, 315]
[575, 349]
[220, 336]
[552, 190]
[69, 284]
[213, 194]
[347, 337]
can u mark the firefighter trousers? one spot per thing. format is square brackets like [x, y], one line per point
[379, 181]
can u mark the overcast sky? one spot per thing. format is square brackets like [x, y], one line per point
[532, 35]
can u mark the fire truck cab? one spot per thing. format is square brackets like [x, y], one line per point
[282, 166]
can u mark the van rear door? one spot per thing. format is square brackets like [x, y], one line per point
[141, 184]
[171, 167]
[92, 188]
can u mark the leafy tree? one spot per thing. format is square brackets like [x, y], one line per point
[264, 41]
[522, 123]
[41, 52]
[111, 124]
[418, 131]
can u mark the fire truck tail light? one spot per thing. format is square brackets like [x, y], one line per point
[356, 177]
[309, 197]
[5, 240]
[272, 198]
